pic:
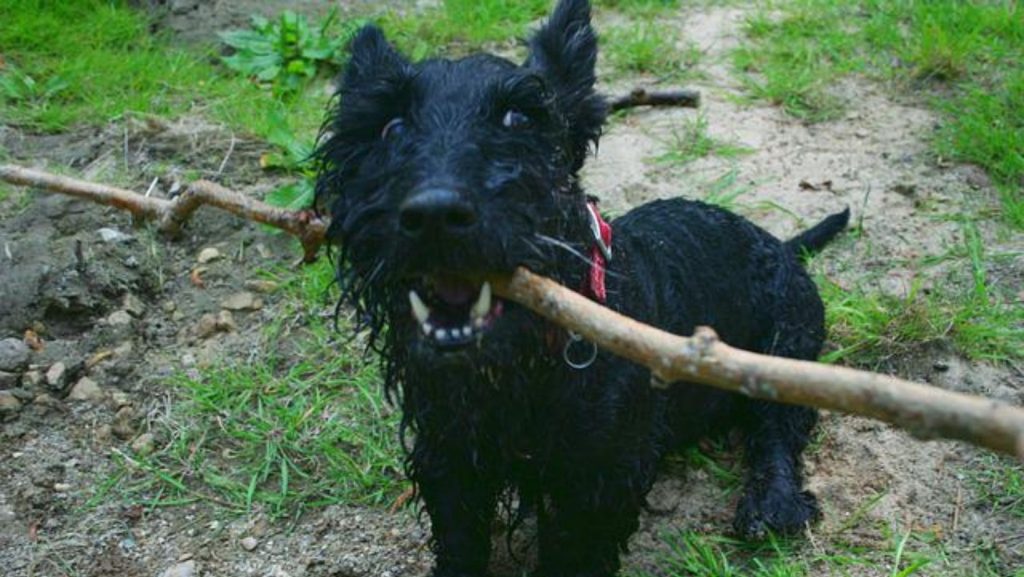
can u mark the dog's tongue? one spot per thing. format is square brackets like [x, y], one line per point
[454, 291]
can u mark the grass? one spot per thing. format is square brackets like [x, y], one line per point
[281, 432]
[979, 319]
[964, 55]
[108, 65]
[999, 483]
[649, 48]
[692, 141]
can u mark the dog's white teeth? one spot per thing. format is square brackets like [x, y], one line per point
[427, 328]
[467, 331]
[482, 306]
[419, 309]
[440, 334]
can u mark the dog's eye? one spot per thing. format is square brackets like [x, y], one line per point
[394, 127]
[515, 119]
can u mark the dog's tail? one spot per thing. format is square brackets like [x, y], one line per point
[815, 238]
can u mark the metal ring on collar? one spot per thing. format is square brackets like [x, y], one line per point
[574, 338]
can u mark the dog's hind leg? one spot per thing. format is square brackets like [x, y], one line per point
[774, 499]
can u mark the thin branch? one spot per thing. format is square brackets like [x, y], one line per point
[641, 97]
[172, 214]
[925, 411]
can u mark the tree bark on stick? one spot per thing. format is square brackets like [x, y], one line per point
[925, 411]
[171, 214]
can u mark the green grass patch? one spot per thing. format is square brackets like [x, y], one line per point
[108, 64]
[999, 483]
[300, 424]
[981, 320]
[649, 48]
[692, 141]
[965, 56]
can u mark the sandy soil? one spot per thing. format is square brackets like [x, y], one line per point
[129, 298]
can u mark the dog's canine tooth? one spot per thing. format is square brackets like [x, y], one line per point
[427, 328]
[419, 309]
[483, 302]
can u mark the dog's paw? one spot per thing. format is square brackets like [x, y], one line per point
[759, 514]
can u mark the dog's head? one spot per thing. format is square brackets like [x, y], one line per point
[440, 172]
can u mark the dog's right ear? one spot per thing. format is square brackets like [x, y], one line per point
[371, 56]
[564, 52]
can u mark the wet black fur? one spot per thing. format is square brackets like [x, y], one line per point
[509, 414]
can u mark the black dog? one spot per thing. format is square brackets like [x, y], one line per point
[441, 172]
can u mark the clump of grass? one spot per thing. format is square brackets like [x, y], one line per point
[999, 482]
[282, 432]
[638, 6]
[649, 49]
[982, 323]
[969, 51]
[692, 141]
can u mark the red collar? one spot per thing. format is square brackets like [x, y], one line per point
[600, 255]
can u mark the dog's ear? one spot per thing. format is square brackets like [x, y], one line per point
[564, 52]
[371, 56]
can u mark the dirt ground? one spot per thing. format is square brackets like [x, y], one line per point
[119, 314]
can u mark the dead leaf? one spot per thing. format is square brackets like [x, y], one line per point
[196, 277]
[33, 341]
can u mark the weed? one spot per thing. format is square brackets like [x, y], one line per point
[294, 155]
[287, 51]
[651, 49]
[276, 434]
[17, 86]
[693, 142]
[999, 482]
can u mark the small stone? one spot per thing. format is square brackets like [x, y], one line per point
[183, 569]
[133, 305]
[9, 404]
[249, 543]
[120, 398]
[45, 400]
[143, 444]
[32, 378]
[124, 423]
[8, 380]
[124, 349]
[86, 389]
[169, 306]
[206, 326]
[104, 434]
[208, 255]
[62, 487]
[119, 318]
[226, 322]
[861, 133]
[14, 355]
[56, 375]
[112, 235]
[243, 301]
[261, 286]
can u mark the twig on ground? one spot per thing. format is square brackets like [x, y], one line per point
[171, 215]
[925, 411]
[641, 97]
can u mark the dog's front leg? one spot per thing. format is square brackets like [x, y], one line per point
[587, 524]
[461, 506]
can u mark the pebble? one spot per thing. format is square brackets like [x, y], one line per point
[261, 286]
[8, 380]
[183, 569]
[133, 305]
[208, 255]
[143, 444]
[56, 375]
[9, 403]
[113, 235]
[124, 423]
[119, 318]
[249, 543]
[45, 400]
[243, 301]
[209, 324]
[86, 389]
[32, 378]
[169, 306]
[14, 355]
[62, 487]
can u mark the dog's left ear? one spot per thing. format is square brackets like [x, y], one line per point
[564, 52]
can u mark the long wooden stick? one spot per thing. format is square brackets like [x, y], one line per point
[172, 214]
[925, 411]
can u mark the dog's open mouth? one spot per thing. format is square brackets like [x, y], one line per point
[452, 311]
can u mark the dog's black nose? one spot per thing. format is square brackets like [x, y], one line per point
[436, 210]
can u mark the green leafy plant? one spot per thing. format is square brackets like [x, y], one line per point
[293, 155]
[286, 52]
